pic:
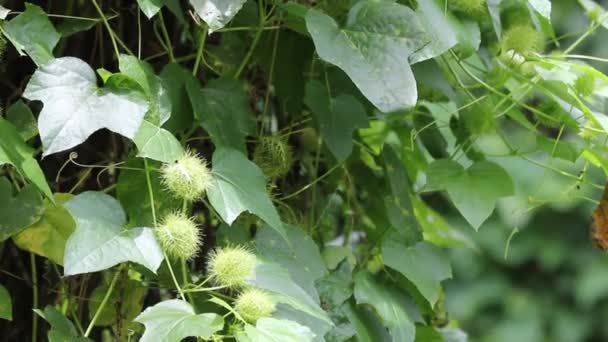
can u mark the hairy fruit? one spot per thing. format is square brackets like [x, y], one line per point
[274, 156]
[522, 39]
[179, 236]
[253, 304]
[232, 266]
[188, 178]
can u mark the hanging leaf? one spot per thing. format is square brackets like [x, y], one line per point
[4, 12]
[174, 320]
[424, 264]
[222, 109]
[100, 242]
[150, 7]
[6, 305]
[373, 49]
[33, 33]
[62, 329]
[20, 211]
[475, 190]
[276, 330]
[217, 13]
[157, 143]
[387, 303]
[14, 151]
[20, 115]
[239, 185]
[338, 118]
[47, 237]
[74, 107]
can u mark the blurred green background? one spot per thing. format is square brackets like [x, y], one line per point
[546, 282]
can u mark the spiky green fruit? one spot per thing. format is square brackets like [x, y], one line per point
[232, 266]
[274, 156]
[522, 39]
[253, 304]
[179, 236]
[188, 178]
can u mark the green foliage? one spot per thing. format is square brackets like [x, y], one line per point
[334, 154]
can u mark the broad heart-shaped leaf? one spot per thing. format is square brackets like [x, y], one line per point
[33, 33]
[388, 305]
[174, 320]
[239, 185]
[20, 211]
[217, 13]
[74, 107]
[440, 30]
[6, 304]
[423, 264]
[337, 118]
[47, 237]
[222, 109]
[14, 151]
[62, 329]
[475, 190]
[157, 143]
[150, 7]
[373, 49]
[269, 329]
[100, 242]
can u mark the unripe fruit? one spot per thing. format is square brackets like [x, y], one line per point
[232, 266]
[274, 156]
[523, 39]
[188, 178]
[179, 236]
[254, 304]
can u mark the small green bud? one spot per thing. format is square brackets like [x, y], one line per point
[523, 39]
[274, 156]
[253, 304]
[188, 178]
[179, 236]
[232, 266]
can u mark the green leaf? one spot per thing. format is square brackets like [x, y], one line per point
[217, 13]
[6, 305]
[124, 304]
[591, 6]
[70, 26]
[100, 242]
[559, 149]
[269, 329]
[494, 9]
[543, 7]
[157, 143]
[222, 108]
[4, 12]
[475, 190]
[62, 329]
[20, 211]
[239, 185]
[440, 30]
[74, 107]
[14, 151]
[175, 77]
[156, 94]
[174, 320]
[48, 236]
[20, 115]
[373, 49]
[150, 7]
[423, 264]
[388, 305]
[338, 118]
[276, 280]
[33, 33]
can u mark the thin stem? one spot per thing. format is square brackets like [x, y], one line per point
[199, 52]
[155, 221]
[166, 36]
[103, 303]
[34, 297]
[107, 24]
[256, 39]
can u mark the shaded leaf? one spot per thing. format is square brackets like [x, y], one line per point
[373, 49]
[20, 211]
[425, 265]
[174, 78]
[33, 33]
[174, 320]
[276, 330]
[100, 242]
[74, 107]
[48, 236]
[6, 304]
[20, 115]
[338, 118]
[239, 185]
